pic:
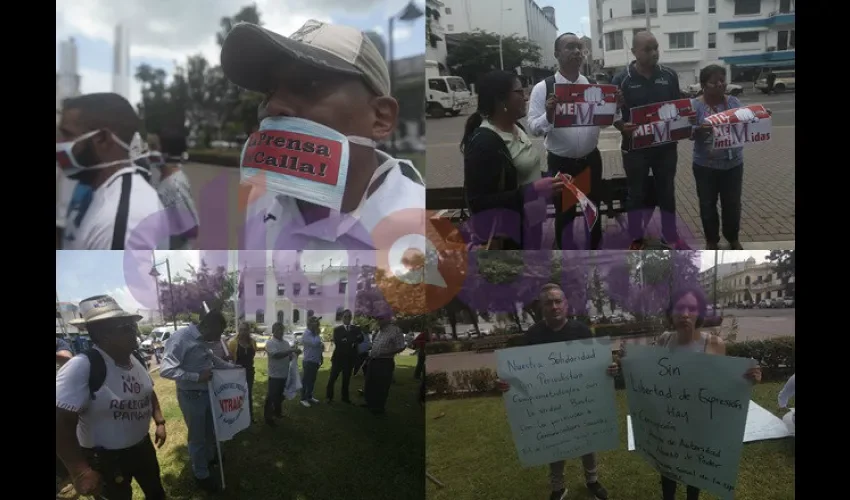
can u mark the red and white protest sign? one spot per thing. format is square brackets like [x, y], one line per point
[734, 128]
[584, 105]
[661, 123]
[290, 153]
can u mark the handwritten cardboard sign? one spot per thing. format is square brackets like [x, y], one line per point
[737, 127]
[688, 412]
[562, 402]
[661, 123]
[584, 105]
[294, 154]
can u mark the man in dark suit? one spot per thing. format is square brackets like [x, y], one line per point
[346, 339]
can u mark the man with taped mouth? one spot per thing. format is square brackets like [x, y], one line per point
[317, 180]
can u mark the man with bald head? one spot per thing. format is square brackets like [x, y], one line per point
[557, 327]
[643, 82]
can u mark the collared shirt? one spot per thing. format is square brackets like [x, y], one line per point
[388, 340]
[278, 367]
[638, 91]
[567, 142]
[275, 221]
[186, 356]
[313, 347]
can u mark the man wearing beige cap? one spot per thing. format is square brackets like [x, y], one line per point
[104, 405]
[329, 83]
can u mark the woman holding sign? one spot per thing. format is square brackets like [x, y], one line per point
[717, 172]
[502, 168]
[686, 314]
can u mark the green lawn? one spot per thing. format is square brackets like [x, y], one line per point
[318, 453]
[486, 466]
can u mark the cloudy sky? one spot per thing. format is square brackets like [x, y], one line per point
[164, 32]
[81, 274]
[571, 15]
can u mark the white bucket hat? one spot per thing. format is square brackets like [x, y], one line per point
[99, 308]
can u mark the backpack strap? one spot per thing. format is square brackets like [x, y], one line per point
[97, 371]
[550, 85]
[142, 360]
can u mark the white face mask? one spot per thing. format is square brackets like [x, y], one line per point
[71, 167]
[300, 158]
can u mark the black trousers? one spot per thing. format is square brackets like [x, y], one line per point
[379, 378]
[725, 185]
[668, 490]
[344, 367]
[249, 378]
[565, 216]
[420, 364]
[638, 163]
[274, 398]
[118, 468]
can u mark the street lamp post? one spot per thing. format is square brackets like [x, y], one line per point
[410, 13]
[156, 275]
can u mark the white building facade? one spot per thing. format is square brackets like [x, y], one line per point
[121, 62]
[290, 296]
[67, 76]
[745, 36]
[435, 47]
[523, 18]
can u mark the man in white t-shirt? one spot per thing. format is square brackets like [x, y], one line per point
[348, 91]
[105, 402]
[280, 354]
[92, 147]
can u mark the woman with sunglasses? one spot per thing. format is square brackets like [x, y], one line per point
[686, 314]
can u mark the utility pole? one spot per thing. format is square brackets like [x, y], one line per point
[648, 19]
[501, 28]
[714, 287]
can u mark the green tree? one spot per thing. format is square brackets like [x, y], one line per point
[785, 263]
[598, 293]
[478, 52]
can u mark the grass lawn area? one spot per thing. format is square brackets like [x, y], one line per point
[318, 453]
[486, 466]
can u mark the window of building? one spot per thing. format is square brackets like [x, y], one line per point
[296, 289]
[639, 7]
[712, 6]
[786, 6]
[792, 44]
[682, 40]
[600, 44]
[296, 316]
[281, 290]
[747, 7]
[610, 13]
[260, 289]
[785, 40]
[450, 27]
[681, 6]
[712, 40]
[614, 40]
[448, 10]
[746, 37]
[311, 289]
[280, 317]
[260, 317]
[342, 285]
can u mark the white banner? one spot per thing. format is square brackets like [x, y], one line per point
[229, 400]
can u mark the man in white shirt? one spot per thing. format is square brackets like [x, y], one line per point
[570, 150]
[105, 402]
[122, 211]
[334, 76]
[280, 354]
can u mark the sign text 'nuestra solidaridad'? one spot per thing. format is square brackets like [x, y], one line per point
[562, 402]
[688, 413]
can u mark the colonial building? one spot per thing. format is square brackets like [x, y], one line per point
[746, 281]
